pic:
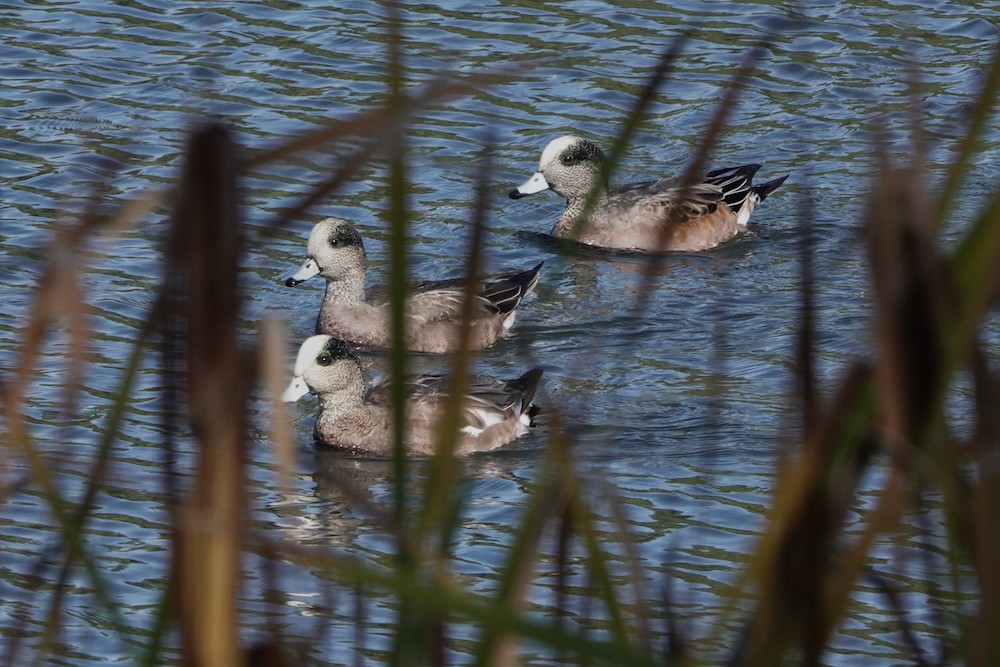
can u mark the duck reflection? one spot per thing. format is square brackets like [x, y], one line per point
[356, 491]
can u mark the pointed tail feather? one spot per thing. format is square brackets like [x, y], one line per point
[506, 291]
[527, 384]
[764, 189]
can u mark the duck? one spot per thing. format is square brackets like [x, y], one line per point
[356, 417]
[649, 216]
[433, 317]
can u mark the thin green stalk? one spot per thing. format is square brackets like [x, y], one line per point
[442, 476]
[545, 501]
[398, 275]
[584, 520]
[981, 113]
[411, 629]
[74, 524]
[635, 117]
[71, 519]
[159, 631]
[975, 266]
[437, 597]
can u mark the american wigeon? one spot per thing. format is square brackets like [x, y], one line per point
[351, 416]
[349, 311]
[650, 216]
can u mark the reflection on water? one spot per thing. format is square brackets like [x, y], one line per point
[677, 407]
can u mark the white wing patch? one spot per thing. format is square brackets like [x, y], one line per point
[749, 204]
[482, 418]
[509, 321]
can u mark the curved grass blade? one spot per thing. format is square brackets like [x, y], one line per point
[443, 474]
[660, 74]
[981, 112]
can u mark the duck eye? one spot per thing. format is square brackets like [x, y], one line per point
[568, 159]
[324, 359]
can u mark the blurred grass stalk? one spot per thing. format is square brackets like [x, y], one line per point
[205, 254]
[928, 310]
[929, 307]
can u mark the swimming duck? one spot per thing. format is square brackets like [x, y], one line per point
[349, 311]
[633, 216]
[495, 412]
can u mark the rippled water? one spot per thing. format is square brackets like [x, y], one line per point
[91, 90]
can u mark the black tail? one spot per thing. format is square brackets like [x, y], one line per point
[764, 189]
[526, 385]
[506, 290]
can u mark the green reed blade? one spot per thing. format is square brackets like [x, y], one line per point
[545, 501]
[410, 629]
[398, 360]
[71, 518]
[975, 266]
[436, 596]
[443, 475]
[630, 125]
[398, 218]
[981, 112]
[585, 522]
[159, 632]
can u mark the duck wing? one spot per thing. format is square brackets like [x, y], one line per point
[669, 201]
[735, 183]
[664, 200]
[497, 294]
[418, 387]
[488, 400]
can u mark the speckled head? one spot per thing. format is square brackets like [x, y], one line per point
[317, 369]
[570, 150]
[569, 165]
[335, 249]
[322, 350]
[333, 233]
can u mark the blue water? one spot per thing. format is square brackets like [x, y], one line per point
[678, 410]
